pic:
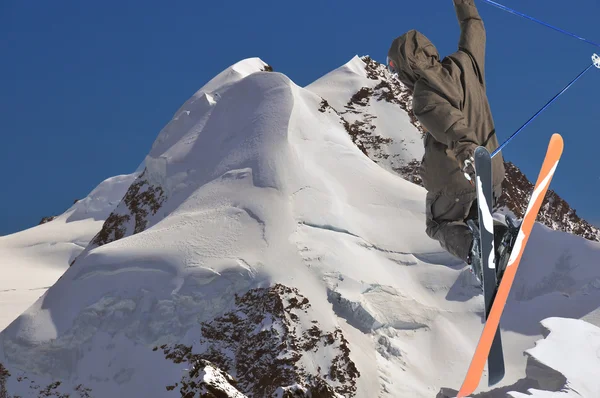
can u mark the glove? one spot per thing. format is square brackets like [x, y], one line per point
[464, 154]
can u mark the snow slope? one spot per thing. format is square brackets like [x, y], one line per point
[271, 238]
[32, 260]
[376, 112]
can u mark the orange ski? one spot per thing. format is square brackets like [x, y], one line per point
[471, 382]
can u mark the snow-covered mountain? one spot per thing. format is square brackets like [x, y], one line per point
[270, 246]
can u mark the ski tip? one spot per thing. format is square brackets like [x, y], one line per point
[556, 145]
[496, 378]
[482, 152]
[557, 139]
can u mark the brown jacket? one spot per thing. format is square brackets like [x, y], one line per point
[449, 99]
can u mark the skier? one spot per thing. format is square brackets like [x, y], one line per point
[450, 102]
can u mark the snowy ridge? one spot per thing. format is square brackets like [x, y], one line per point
[32, 260]
[189, 120]
[269, 248]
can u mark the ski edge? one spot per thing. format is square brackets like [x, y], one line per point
[483, 169]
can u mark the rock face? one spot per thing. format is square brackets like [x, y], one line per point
[140, 200]
[264, 344]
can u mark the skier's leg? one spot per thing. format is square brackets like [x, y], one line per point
[499, 231]
[446, 222]
[505, 232]
[496, 195]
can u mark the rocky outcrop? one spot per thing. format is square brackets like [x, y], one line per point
[131, 217]
[390, 89]
[45, 220]
[264, 346]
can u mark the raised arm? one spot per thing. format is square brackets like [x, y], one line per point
[472, 34]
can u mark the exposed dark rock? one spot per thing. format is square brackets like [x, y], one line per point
[390, 89]
[112, 230]
[4, 375]
[46, 219]
[141, 199]
[262, 343]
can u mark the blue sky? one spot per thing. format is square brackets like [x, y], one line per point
[86, 85]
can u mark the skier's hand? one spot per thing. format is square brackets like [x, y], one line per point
[464, 154]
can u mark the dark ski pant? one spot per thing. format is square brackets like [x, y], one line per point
[446, 218]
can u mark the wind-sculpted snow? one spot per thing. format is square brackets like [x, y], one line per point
[102, 200]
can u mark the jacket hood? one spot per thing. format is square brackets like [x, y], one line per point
[413, 55]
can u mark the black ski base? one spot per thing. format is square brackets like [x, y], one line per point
[483, 168]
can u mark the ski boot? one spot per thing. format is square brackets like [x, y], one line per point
[505, 236]
[474, 258]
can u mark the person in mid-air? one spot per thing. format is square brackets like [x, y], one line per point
[450, 102]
